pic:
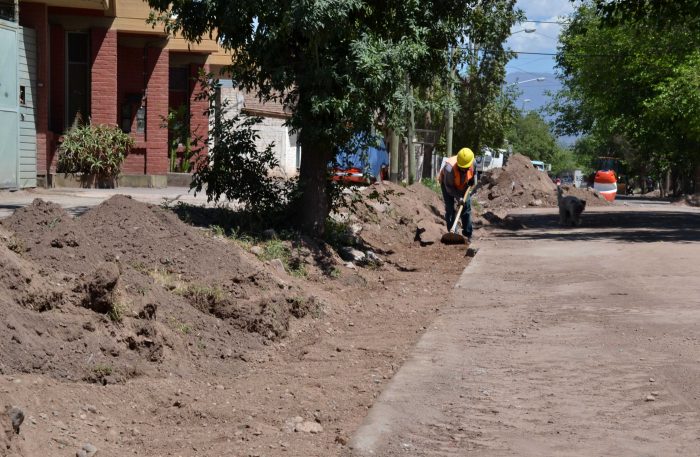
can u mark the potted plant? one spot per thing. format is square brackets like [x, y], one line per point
[182, 147]
[95, 153]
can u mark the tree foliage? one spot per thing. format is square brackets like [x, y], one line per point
[485, 107]
[630, 75]
[532, 136]
[234, 167]
[335, 64]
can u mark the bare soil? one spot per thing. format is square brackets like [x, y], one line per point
[131, 330]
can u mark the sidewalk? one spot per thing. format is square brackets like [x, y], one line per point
[77, 201]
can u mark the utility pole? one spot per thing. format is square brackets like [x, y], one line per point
[449, 115]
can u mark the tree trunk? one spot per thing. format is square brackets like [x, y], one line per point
[428, 161]
[313, 179]
[697, 179]
[394, 158]
[404, 156]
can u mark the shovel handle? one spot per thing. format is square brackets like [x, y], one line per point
[461, 207]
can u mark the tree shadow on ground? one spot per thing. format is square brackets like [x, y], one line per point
[251, 229]
[627, 226]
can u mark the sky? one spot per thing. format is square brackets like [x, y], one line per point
[543, 40]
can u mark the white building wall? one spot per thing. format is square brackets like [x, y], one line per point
[271, 131]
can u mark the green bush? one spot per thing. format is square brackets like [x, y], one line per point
[432, 184]
[235, 168]
[94, 149]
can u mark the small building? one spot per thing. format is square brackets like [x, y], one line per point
[100, 60]
[272, 130]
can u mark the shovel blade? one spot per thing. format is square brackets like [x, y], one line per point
[453, 238]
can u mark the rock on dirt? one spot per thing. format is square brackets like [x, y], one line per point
[88, 450]
[428, 232]
[99, 288]
[10, 420]
[351, 254]
[16, 417]
[308, 427]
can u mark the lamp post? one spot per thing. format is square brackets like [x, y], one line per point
[449, 127]
[540, 79]
[527, 100]
[526, 30]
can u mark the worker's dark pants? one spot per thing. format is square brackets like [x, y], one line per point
[451, 212]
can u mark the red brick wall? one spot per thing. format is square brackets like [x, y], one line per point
[103, 86]
[199, 120]
[157, 108]
[130, 81]
[35, 16]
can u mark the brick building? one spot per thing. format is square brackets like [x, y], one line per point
[99, 58]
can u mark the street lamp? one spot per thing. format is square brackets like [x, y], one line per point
[527, 100]
[540, 79]
[526, 30]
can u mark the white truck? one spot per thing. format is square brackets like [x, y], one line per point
[490, 159]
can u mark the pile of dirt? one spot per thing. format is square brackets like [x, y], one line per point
[389, 218]
[128, 289]
[209, 326]
[520, 184]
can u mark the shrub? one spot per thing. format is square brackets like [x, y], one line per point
[182, 146]
[94, 149]
[236, 168]
[432, 184]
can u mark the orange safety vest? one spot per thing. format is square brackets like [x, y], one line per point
[459, 177]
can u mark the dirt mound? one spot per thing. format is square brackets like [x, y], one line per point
[129, 289]
[517, 184]
[520, 184]
[387, 216]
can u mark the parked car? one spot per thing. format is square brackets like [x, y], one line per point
[361, 164]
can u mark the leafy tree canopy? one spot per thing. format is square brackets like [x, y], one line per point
[335, 64]
[532, 136]
[630, 81]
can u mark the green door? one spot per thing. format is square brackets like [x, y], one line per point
[9, 106]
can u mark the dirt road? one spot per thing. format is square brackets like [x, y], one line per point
[559, 343]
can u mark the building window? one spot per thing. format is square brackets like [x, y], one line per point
[7, 10]
[77, 77]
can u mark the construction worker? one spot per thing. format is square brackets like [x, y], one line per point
[456, 175]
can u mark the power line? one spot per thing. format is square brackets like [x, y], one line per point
[549, 22]
[554, 54]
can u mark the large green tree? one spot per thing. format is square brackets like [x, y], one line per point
[335, 64]
[628, 70]
[530, 135]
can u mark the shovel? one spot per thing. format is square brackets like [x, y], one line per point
[453, 237]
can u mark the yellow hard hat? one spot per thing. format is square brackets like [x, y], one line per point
[465, 158]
